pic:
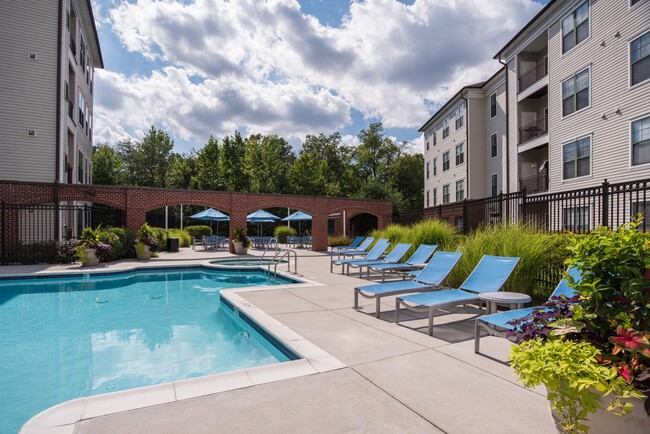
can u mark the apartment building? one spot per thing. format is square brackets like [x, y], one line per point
[578, 78]
[464, 144]
[49, 52]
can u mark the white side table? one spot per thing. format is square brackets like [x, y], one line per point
[513, 299]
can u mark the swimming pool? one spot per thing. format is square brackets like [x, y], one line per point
[64, 338]
[247, 262]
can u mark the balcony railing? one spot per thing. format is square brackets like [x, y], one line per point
[533, 129]
[529, 77]
[534, 184]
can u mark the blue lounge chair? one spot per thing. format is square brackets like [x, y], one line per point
[354, 244]
[361, 249]
[429, 279]
[497, 323]
[375, 253]
[392, 257]
[417, 261]
[489, 275]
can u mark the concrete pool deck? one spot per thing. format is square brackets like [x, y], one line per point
[396, 378]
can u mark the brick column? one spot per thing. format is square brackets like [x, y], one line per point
[319, 232]
[135, 219]
[384, 220]
[237, 220]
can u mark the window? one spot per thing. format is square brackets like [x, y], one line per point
[427, 145]
[80, 167]
[427, 170]
[493, 145]
[445, 161]
[460, 154]
[640, 58]
[493, 105]
[641, 208]
[82, 110]
[435, 197]
[445, 193]
[428, 199]
[494, 181]
[575, 92]
[576, 158]
[459, 114]
[576, 219]
[641, 141]
[460, 223]
[575, 27]
[435, 137]
[435, 166]
[460, 190]
[445, 129]
[82, 52]
[633, 2]
[427, 137]
[89, 124]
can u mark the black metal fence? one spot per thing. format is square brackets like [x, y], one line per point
[576, 211]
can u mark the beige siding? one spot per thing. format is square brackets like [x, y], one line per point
[476, 156]
[494, 165]
[510, 159]
[28, 90]
[608, 57]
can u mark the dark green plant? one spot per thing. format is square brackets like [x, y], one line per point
[240, 237]
[338, 241]
[282, 232]
[198, 231]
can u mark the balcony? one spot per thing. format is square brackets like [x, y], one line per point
[533, 130]
[534, 184]
[533, 75]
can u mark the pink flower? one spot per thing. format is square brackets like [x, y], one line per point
[630, 340]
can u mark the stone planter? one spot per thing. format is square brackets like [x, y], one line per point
[606, 422]
[143, 253]
[239, 248]
[91, 258]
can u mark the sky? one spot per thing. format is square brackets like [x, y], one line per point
[196, 68]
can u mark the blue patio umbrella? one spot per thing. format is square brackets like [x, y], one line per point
[211, 215]
[299, 217]
[260, 216]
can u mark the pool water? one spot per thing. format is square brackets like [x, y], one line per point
[67, 338]
[246, 262]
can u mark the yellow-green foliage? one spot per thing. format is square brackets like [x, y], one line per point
[338, 241]
[282, 232]
[425, 232]
[537, 251]
[184, 238]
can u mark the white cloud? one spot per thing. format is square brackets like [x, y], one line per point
[267, 67]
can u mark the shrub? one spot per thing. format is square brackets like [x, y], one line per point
[66, 251]
[198, 231]
[338, 241]
[282, 232]
[184, 238]
[123, 248]
[160, 237]
[425, 232]
[537, 251]
[111, 239]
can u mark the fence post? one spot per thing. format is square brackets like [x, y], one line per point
[605, 204]
[465, 224]
[3, 245]
[440, 212]
[523, 204]
[500, 209]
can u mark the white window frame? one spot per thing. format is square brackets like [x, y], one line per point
[495, 134]
[494, 176]
[591, 157]
[631, 158]
[459, 115]
[586, 219]
[435, 170]
[564, 53]
[629, 58]
[427, 170]
[427, 199]
[462, 182]
[572, 77]
[435, 196]
[445, 128]
[447, 152]
[462, 146]
[446, 186]
[631, 6]
[496, 105]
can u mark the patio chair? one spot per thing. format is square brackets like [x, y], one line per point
[209, 242]
[360, 249]
[392, 257]
[224, 242]
[497, 323]
[355, 243]
[306, 241]
[417, 261]
[429, 279]
[374, 254]
[292, 241]
[489, 275]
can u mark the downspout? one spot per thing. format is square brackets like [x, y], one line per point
[466, 141]
[507, 128]
[57, 159]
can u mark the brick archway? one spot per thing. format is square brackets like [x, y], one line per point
[137, 201]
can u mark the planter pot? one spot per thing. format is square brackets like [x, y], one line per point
[144, 253]
[91, 257]
[606, 422]
[239, 248]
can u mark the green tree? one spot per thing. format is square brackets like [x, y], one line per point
[182, 170]
[375, 153]
[231, 163]
[208, 176]
[406, 177]
[147, 161]
[267, 162]
[107, 166]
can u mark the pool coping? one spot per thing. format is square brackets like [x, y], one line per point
[62, 418]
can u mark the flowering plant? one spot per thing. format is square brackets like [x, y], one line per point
[146, 238]
[599, 340]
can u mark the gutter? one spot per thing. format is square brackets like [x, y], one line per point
[466, 141]
[507, 128]
[57, 159]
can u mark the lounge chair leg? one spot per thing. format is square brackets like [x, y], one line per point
[477, 336]
[360, 272]
[396, 310]
[431, 321]
[356, 299]
[377, 307]
[331, 266]
[383, 276]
